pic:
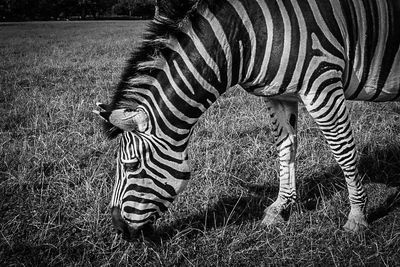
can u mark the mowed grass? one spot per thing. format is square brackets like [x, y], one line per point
[57, 169]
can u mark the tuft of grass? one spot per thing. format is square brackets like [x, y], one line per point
[56, 168]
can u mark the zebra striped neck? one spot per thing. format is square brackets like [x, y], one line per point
[176, 76]
[173, 74]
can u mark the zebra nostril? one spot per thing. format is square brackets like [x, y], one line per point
[128, 234]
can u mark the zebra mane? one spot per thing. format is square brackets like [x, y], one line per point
[175, 10]
[169, 21]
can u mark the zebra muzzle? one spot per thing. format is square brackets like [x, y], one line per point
[128, 233]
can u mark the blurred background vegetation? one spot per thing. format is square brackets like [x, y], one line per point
[22, 10]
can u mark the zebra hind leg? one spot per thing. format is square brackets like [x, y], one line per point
[283, 117]
[331, 114]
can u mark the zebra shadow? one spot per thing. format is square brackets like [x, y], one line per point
[226, 211]
[376, 166]
[382, 166]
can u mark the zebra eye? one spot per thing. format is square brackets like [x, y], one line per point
[132, 166]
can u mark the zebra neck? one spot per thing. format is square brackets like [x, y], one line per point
[174, 99]
[190, 70]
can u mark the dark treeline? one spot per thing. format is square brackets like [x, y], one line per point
[15, 10]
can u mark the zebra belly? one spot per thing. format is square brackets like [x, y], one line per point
[273, 91]
[374, 88]
[372, 38]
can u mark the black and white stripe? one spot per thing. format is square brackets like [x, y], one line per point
[319, 52]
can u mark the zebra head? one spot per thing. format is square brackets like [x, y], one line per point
[148, 174]
[153, 111]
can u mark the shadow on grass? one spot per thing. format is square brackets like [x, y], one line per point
[377, 166]
[382, 166]
[227, 211]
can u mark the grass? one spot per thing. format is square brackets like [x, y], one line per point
[56, 169]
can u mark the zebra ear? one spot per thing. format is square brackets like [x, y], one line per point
[124, 119]
[128, 120]
[104, 107]
[104, 114]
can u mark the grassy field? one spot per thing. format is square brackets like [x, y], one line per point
[57, 169]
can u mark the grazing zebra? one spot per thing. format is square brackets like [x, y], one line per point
[316, 52]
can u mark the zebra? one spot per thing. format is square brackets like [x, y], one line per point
[318, 53]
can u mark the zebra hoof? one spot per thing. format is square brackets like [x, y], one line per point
[272, 216]
[356, 224]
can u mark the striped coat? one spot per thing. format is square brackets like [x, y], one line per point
[319, 53]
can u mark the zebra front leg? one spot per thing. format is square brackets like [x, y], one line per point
[330, 113]
[283, 116]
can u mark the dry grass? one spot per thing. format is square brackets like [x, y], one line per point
[56, 169]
